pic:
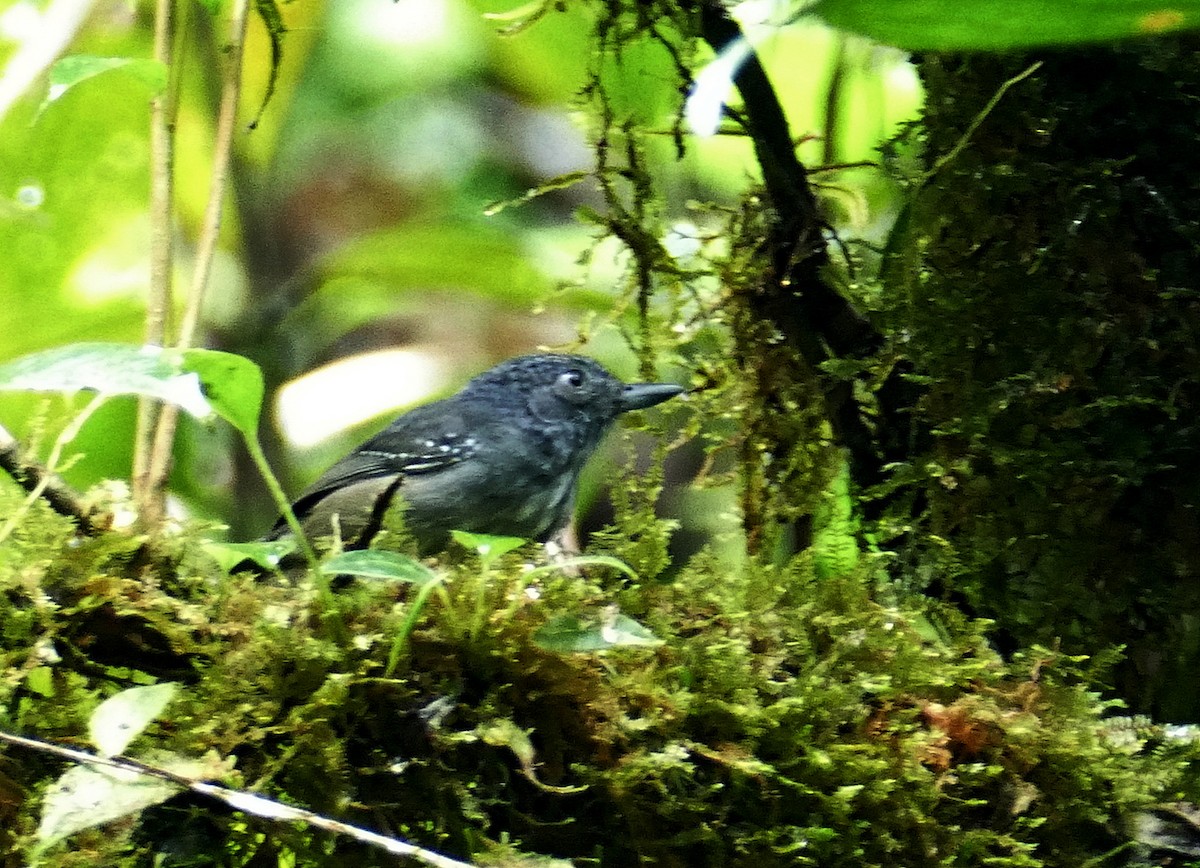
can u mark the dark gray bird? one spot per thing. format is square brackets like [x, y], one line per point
[502, 456]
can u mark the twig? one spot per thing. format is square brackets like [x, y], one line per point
[248, 803]
[796, 299]
[146, 494]
[40, 482]
[164, 436]
[978, 120]
[40, 487]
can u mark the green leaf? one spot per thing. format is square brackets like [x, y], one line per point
[266, 554]
[388, 566]
[120, 719]
[91, 796]
[77, 68]
[488, 547]
[232, 384]
[87, 796]
[109, 369]
[584, 561]
[572, 634]
[1005, 24]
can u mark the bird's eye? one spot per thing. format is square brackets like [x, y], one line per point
[572, 379]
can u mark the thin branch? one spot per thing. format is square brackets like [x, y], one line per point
[816, 321]
[238, 800]
[148, 496]
[979, 118]
[812, 314]
[164, 436]
[40, 487]
[41, 482]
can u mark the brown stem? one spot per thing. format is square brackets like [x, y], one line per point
[148, 496]
[164, 436]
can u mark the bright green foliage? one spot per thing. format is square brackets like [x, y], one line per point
[1006, 24]
[108, 370]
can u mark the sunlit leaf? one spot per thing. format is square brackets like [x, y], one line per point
[487, 546]
[369, 564]
[572, 634]
[1004, 24]
[706, 103]
[91, 796]
[233, 385]
[88, 796]
[109, 369]
[77, 68]
[120, 719]
[266, 554]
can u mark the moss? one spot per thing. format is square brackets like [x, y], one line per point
[1045, 291]
[784, 721]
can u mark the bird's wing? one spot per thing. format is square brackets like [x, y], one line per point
[421, 441]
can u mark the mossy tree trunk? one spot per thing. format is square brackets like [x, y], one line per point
[1041, 320]
[1047, 285]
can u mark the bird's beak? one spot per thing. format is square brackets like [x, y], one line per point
[638, 396]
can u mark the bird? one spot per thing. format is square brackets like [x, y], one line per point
[502, 456]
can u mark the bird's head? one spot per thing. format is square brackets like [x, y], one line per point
[556, 388]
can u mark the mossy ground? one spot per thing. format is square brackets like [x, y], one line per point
[785, 720]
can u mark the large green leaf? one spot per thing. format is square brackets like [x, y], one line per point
[388, 566]
[1004, 24]
[599, 632]
[108, 369]
[77, 68]
[199, 381]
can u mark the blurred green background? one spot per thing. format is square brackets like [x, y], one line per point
[363, 264]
